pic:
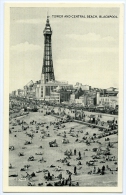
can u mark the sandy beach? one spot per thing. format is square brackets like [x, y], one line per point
[52, 155]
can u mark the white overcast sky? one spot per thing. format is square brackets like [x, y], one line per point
[84, 50]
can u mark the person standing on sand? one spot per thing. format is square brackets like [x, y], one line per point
[69, 178]
[75, 170]
[74, 151]
[48, 174]
[94, 170]
[62, 182]
[60, 176]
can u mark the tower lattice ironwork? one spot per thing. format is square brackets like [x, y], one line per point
[47, 69]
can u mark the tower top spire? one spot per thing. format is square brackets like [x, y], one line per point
[47, 29]
[47, 21]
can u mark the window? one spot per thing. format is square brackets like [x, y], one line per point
[47, 90]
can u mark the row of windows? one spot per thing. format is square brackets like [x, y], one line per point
[53, 87]
[105, 100]
[53, 98]
[105, 103]
[57, 95]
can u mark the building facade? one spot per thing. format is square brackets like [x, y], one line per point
[107, 100]
[83, 87]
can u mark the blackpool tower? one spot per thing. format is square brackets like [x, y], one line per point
[47, 68]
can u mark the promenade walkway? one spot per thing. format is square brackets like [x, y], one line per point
[85, 123]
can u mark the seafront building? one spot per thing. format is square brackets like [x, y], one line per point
[109, 99]
[95, 97]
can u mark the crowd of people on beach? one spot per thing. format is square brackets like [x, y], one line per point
[65, 177]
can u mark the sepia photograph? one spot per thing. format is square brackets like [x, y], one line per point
[63, 97]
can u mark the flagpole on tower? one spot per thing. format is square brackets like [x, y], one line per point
[47, 14]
